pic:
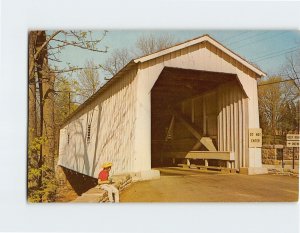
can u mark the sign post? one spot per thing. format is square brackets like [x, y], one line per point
[292, 140]
[293, 157]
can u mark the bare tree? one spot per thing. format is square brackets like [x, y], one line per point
[146, 44]
[117, 60]
[87, 82]
[292, 69]
[276, 106]
[150, 43]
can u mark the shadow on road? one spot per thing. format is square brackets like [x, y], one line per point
[178, 171]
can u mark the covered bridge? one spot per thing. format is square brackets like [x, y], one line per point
[195, 100]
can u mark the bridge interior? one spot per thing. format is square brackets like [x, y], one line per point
[184, 110]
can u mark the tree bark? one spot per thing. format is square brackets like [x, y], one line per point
[46, 88]
[40, 64]
[48, 120]
[32, 122]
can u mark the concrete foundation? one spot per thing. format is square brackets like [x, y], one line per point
[145, 175]
[253, 170]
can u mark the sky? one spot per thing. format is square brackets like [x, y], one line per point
[266, 48]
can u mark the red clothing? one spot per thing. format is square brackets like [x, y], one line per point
[103, 175]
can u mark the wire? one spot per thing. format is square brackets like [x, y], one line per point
[268, 55]
[280, 54]
[261, 40]
[256, 35]
[250, 37]
[273, 53]
[229, 38]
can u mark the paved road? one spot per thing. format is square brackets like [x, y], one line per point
[178, 185]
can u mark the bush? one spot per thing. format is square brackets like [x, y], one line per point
[41, 182]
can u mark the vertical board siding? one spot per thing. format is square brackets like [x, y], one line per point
[240, 130]
[220, 143]
[233, 118]
[121, 123]
[112, 117]
[236, 127]
[245, 131]
[233, 122]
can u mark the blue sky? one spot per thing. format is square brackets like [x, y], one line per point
[267, 48]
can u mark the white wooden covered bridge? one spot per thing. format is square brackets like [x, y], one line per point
[195, 100]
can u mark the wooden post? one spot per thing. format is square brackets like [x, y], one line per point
[188, 162]
[69, 102]
[293, 158]
[204, 116]
[169, 133]
[173, 160]
[193, 111]
[206, 162]
[282, 160]
[228, 164]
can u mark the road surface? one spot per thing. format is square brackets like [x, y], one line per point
[178, 185]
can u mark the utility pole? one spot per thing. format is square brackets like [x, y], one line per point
[69, 102]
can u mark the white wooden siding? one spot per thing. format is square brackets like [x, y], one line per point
[112, 117]
[121, 115]
[204, 56]
[232, 122]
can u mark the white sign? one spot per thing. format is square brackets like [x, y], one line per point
[292, 137]
[255, 137]
[292, 143]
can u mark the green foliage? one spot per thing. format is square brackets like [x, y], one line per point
[41, 180]
[50, 102]
[64, 99]
[36, 144]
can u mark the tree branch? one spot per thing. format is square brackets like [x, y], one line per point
[72, 70]
[80, 46]
[38, 52]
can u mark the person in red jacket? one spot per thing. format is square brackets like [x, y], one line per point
[106, 183]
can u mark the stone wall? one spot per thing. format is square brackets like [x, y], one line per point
[268, 155]
[288, 153]
[272, 155]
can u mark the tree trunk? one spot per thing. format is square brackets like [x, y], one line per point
[46, 88]
[40, 65]
[48, 117]
[32, 122]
